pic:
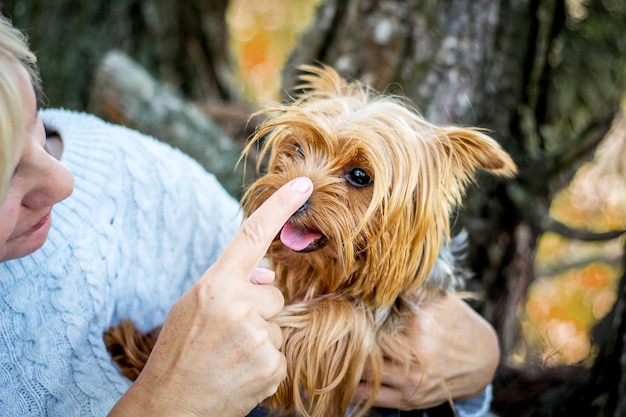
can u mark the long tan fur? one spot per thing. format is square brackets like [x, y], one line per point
[386, 183]
[347, 302]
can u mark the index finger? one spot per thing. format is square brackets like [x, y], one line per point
[257, 232]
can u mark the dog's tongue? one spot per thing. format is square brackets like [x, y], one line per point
[297, 238]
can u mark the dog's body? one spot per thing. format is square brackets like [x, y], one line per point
[355, 262]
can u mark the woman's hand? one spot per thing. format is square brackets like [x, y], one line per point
[458, 356]
[218, 353]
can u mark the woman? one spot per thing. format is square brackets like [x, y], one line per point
[147, 234]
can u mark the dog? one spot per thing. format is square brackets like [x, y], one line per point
[371, 244]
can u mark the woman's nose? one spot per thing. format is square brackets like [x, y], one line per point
[52, 183]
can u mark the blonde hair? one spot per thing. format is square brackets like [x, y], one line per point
[13, 49]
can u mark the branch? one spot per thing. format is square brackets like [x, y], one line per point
[548, 224]
[554, 270]
[538, 215]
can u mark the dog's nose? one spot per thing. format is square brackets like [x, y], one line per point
[302, 208]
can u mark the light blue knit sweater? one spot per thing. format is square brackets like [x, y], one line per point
[142, 224]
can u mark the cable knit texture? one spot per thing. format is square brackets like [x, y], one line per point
[144, 221]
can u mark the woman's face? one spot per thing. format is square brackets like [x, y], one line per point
[39, 181]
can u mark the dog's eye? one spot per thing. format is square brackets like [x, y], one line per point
[359, 178]
[298, 149]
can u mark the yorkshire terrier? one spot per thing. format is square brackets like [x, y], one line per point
[370, 245]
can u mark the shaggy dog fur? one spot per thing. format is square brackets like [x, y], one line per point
[371, 243]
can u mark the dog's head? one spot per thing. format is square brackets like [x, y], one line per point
[385, 185]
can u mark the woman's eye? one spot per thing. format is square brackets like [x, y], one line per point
[359, 178]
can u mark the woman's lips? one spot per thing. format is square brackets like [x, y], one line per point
[40, 223]
[44, 222]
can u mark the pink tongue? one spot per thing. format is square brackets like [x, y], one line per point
[296, 238]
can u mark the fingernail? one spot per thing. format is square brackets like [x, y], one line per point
[301, 185]
[262, 275]
[263, 270]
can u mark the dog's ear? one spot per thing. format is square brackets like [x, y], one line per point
[468, 150]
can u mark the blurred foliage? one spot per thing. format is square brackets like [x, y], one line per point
[262, 33]
[577, 280]
[564, 304]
